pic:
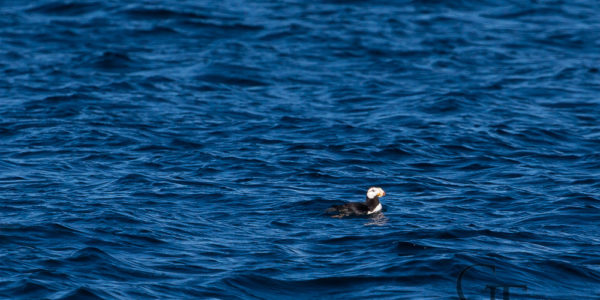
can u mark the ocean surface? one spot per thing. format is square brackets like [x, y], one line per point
[189, 149]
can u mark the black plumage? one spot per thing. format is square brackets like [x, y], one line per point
[359, 208]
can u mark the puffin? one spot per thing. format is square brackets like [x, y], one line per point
[370, 206]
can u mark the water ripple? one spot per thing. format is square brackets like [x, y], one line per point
[189, 149]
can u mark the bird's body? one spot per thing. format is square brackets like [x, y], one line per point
[370, 206]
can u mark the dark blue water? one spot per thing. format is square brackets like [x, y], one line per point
[188, 149]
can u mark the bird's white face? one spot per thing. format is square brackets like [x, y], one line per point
[375, 191]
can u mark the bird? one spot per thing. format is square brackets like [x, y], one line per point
[370, 206]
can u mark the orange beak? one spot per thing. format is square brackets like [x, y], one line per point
[382, 193]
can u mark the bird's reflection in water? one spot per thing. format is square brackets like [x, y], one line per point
[377, 220]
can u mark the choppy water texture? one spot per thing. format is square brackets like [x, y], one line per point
[188, 149]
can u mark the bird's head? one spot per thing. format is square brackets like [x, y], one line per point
[375, 192]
